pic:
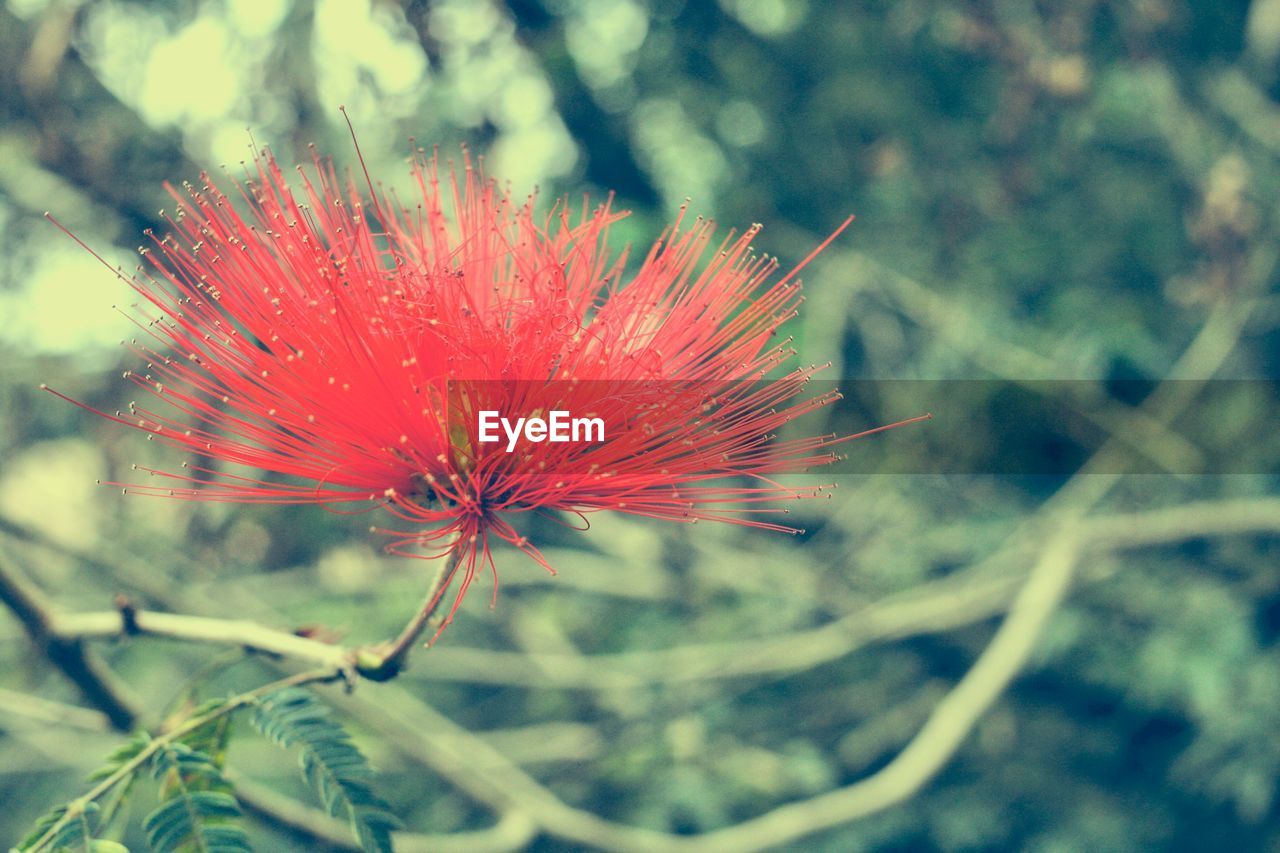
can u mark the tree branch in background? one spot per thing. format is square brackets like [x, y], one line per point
[470, 763]
[947, 727]
[85, 134]
[45, 712]
[79, 664]
[603, 137]
[511, 832]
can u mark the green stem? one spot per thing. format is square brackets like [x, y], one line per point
[383, 664]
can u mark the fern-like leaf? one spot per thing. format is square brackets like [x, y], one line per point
[126, 751]
[213, 737]
[75, 834]
[192, 819]
[197, 807]
[331, 763]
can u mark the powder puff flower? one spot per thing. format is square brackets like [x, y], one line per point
[337, 345]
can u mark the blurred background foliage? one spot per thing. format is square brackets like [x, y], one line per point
[1071, 190]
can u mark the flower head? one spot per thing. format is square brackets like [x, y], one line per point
[338, 345]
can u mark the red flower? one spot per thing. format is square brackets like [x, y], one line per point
[351, 342]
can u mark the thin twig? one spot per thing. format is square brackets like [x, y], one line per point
[37, 709]
[201, 629]
[377, 663]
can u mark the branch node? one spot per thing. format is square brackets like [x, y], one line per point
[128, 615]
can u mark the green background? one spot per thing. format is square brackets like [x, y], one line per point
[1074, 190]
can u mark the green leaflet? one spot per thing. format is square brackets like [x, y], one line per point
[77, 834]
[197, 807]
[331, 764]
[121, 754]
[197, 819]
